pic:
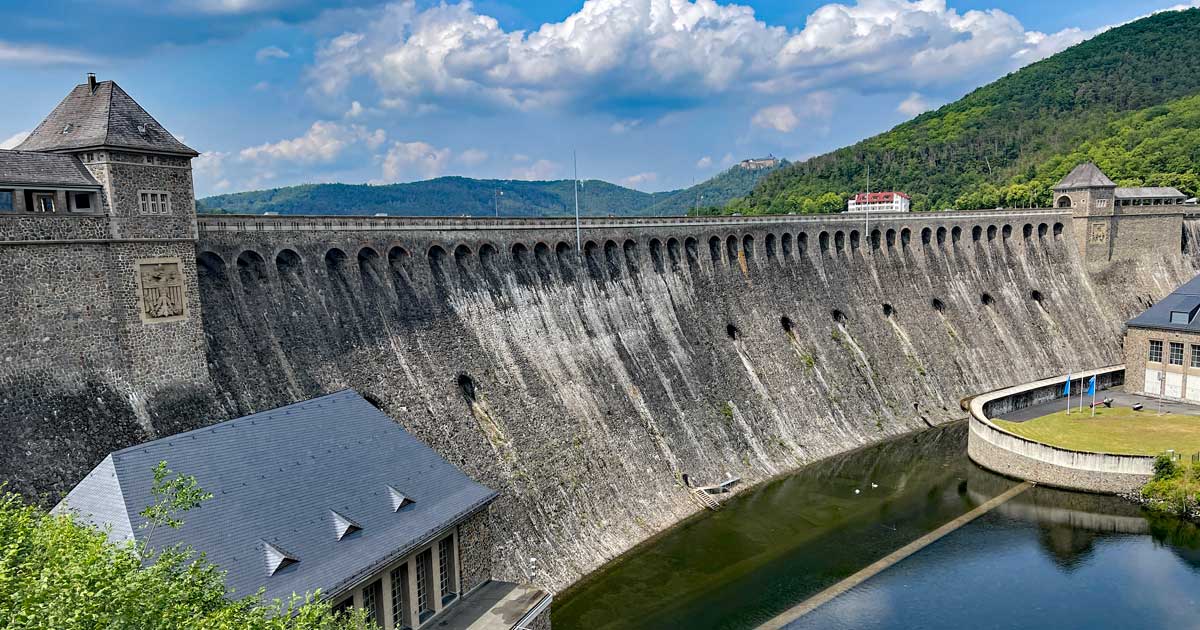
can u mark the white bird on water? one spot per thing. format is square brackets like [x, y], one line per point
[874, 485]
[856, 491]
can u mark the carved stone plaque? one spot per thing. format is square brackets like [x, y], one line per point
[161, 290]
[1098, 233]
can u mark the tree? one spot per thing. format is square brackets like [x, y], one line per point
[56, 573]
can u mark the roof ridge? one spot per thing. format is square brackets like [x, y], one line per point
[108, 105]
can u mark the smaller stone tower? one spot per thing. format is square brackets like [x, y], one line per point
[1089, 193]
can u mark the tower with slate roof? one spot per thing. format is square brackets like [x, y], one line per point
[100, 281]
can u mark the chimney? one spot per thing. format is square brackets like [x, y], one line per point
[92, 82]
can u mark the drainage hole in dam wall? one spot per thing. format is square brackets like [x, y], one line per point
[986, 299]
[1036, 296]
[786, 322]
[938, 305]
[888, 311]
[732, 331]
[838, 316]
[467, 385]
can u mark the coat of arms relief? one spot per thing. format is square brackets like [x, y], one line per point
[161, 290]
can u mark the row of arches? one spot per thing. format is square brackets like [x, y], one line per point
[617, 258]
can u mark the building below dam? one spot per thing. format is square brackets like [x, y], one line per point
[580, 371]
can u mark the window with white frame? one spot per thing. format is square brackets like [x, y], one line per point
[154, 202]
[1155, 351]
[400, 615]
[446, 581]
[424, 585]
[1176, 353]
[1195, 356]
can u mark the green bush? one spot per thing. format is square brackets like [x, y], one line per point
[1164, 467]
[56, 573]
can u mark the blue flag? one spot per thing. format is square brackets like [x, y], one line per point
[1067, 387]
[1092, 387]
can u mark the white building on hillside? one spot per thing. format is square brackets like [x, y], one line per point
[879, 202]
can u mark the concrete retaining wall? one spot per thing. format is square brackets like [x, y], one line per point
[996, 449]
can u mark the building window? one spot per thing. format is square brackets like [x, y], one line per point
[1195, 356]
[370, 598]
[446, 569]
[154, 202]
[344, 606]
[43, 203]
[1176, 353]
[6, 201]
[400, 613]
[1101, 203]
[1155, 351]
[83, 201]
[424, 585]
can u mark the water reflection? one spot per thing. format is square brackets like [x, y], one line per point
[776, 545]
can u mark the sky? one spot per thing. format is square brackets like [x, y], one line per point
[651, 94]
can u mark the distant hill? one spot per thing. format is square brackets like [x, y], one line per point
[714, 193]
[1025, 128]
[444, 196]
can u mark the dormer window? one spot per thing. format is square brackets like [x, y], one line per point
[43, 202]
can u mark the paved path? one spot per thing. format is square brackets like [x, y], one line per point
[812, 603]
[1120, 399]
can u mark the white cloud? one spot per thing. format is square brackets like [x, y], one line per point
[520, 157]
[356, 110]
[269, 53]
[14, 140]
[621, 126]
[727, 159]
[541, 169]
[37, 55]
[778, 117]
[323, 142]
[617, 51]
[404, 159]
[227, 7]
[913, 105]
[704, 162]
[473, 157]
[262, 86]
[641, 179]
[785, 118]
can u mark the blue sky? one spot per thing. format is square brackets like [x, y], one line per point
[653, 94]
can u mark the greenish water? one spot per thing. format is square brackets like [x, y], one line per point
[1044, 553]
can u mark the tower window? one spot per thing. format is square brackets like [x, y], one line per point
[154, 202]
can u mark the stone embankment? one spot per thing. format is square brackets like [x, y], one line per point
[1001, 451]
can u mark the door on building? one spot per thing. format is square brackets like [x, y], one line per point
[1174, 386]
[1151, 386]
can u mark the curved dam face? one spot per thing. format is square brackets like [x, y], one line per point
[584, 385]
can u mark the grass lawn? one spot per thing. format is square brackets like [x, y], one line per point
[1117, 430]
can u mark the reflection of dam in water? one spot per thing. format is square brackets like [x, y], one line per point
[1046, 506]
[775, 546]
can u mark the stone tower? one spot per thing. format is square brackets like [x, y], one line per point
[1089, 193]
[143, 230]
[1113, 224]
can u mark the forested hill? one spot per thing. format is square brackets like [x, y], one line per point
[1019, 129]
[712, 194]
[444, 196]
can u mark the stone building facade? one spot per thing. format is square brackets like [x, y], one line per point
[1162, 347]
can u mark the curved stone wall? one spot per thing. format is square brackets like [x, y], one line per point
[996, 449]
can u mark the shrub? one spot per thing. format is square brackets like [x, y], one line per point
[1164, 467]
[56, 573]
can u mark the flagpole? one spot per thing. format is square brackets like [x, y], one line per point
[1093, 388]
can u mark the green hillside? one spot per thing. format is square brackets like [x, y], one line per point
[710, 195]
[444, 196]
[1023, 127]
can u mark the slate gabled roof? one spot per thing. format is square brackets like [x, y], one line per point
[1148, 192]
[1185, 299]
[1086, 175]
[276, 477]
[23, 168]
[107, 117]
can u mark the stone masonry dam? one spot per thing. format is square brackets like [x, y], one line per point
[583, 385]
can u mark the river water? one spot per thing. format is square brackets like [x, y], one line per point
[1045, 559]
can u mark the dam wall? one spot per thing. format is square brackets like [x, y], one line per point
[584, 385]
